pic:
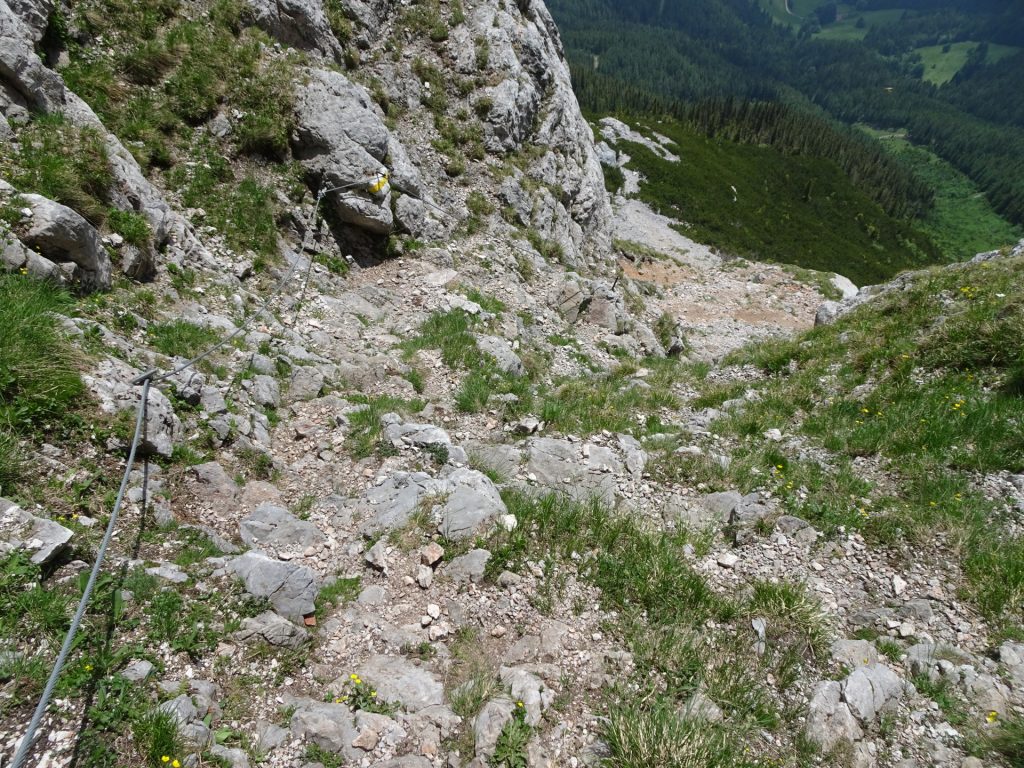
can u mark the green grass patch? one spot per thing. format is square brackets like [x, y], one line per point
[618, 401]
[340, 591]
[663, 608]
[132, 226]
[940, 372]
[962, 223]
[364, 437]
[180, 338]
[64, 163]
[40, 385]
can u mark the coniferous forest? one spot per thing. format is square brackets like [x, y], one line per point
[946, 74]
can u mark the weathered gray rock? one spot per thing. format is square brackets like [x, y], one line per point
[275, 528]
[269, 736]
[827, 313]
[21, 530]
[829, 720]
[722, 504]
[569, 298]
[557, 465]
[235, 757]
[401, 433]
[468, 567]
[265, 391]
[473, 503]
[845, 286]
[196, 735]
[329, 726]
[137, 671]
[299, 23]
[700, 707]
[306, 383]
[35, 14]
[273, 630]
[854, 653]
[489, 724]
[871, 690]
[398, 681]
[390, 504]
[608, 310]
[529, 689]
[634, 454]
[797, 529]
[340, 138]
[214, 481]
[111, 383]
[61, 234]
[292, 589]
[168, 572]
[507, 360]
[180, 708]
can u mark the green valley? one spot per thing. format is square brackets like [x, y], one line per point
[759, 203]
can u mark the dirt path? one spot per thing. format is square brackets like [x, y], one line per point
[721, 303]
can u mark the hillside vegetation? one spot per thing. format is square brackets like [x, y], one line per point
[763, 204]
[625, 53]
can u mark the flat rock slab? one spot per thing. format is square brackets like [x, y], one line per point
[274, 527]
[473, 504]
[558, 466]
[870, 690]
[469, 567]
[292, 589]
[398, 681]
[42, 538]
[329, 726]
[272, 629]
[390, 504]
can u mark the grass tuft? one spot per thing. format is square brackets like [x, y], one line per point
[39, 378]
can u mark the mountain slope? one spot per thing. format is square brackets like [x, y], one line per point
[443, 488]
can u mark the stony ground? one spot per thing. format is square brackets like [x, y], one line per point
[477, 502]
[442, 648]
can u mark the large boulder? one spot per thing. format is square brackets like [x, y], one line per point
[61, 235]
[341, 139]
[298, 23]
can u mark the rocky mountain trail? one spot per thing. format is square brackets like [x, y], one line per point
[477, 487]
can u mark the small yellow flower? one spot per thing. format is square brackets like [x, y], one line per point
[373, 693]
[175, 764]
[88, 667]
[353, 676]
[519, 703]
[992, 716]
[165, 759]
